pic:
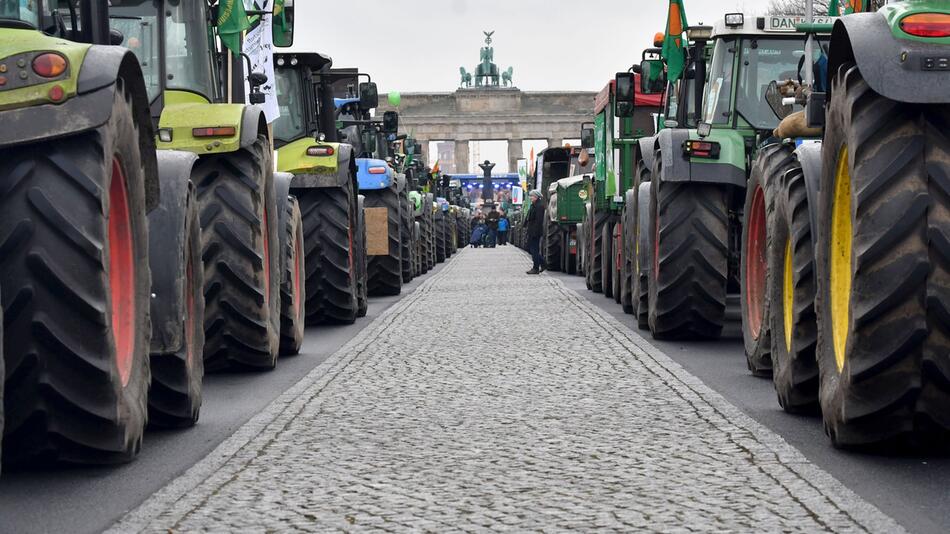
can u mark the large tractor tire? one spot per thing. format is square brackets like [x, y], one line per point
[440, 246]
[628, 222]
[758, 234]
[596, 255]
[178, 307]
[794, 325]
[883, 267]
[384, 273]
[582, 251]
[607, 243]
[361, 259]
[406, 239]
[425, 252]
[293, 271]
[329, 241]
[240, 246]
[644, 257]
[552, 245]
[690, 228]
[76, 286]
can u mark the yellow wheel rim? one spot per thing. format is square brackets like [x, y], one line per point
[841, 258]
[788, 296]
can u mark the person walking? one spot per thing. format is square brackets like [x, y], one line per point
[535, 228]
[503, 229]
[492, 221]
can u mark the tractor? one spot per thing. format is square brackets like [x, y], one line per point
[325, 185]
[621, 118]
[566, 198]
[856, 270]
[700, 176]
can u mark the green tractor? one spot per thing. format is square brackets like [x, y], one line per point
[700, 176]
[618, 125]
[856, 272]
[307, 145]
[567, 200]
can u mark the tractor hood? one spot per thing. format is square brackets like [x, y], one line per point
[373, 174]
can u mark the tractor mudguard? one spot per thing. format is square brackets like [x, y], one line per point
[373, 182]
[166, 243]
[645, 150]
[809, 156]
[319, 177]
[253, 123]
[401, 183]
[892, 67]
[675, 167]
[282, 181]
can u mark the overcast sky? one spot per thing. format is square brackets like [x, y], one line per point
[419, 45]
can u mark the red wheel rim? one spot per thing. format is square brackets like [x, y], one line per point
[189, 310]
[266, 230]
[121, 273]
[295, 275]
[755, 262]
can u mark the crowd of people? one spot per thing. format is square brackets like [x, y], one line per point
[491, 228]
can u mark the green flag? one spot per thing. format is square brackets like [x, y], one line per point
[673, 50]
[232, 22]
[846, 7]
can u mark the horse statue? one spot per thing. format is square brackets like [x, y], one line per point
[466, 77]
[506, 77]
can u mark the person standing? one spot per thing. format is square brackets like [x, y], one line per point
[492, 221]
[535, 229]
[503, 229]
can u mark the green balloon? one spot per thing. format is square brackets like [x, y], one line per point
[395, 99]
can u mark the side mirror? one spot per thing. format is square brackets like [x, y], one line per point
[652, 77]
[369, 96]
[256, 80]
[390, 122]
[625, 92]
[283, 23]
[587, 137]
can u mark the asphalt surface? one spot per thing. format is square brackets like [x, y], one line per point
[912, 489]
[83, 499]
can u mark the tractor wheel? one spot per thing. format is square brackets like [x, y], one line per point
[293, 273]
[607, 243]
[690, 229]
[329, 242]
[883, 267]
[384, 273]
[424, 250]
[552, 246]
[440, 247]
[758, 231]
[595, 251]
[405, 238]
[641, 273]
[794, 328]
[629, 243]
[178, 308]
[616, 263]
[360, 259]
[239, 248]
[76, 282]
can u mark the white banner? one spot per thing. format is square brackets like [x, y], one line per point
[259, 46]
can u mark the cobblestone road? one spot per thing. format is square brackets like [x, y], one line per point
[428, 421]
